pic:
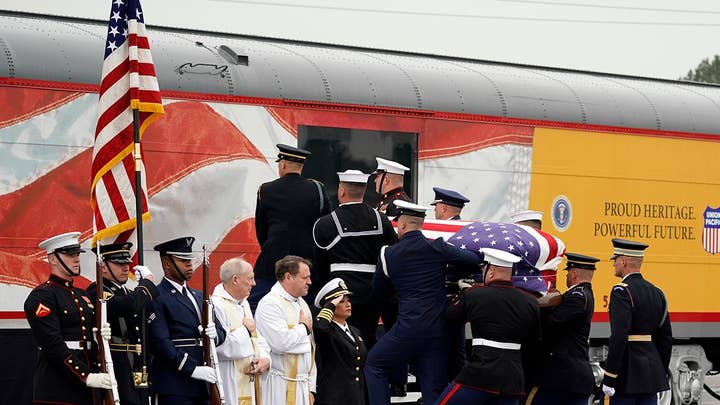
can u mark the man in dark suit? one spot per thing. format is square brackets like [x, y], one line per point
[341, 351]
[124, 313]
[504, 321]
[348, 243]
[564, 373]
[177, 371]
[416, 268]
[640, 344]
[285, 212]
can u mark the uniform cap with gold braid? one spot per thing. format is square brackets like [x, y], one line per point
[622, 247]
[116, 252]
[67, 243]
[331, 290]
[291, 153]
[578, 261]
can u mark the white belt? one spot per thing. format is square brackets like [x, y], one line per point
[76, 345]
[300, 377]
[360, 268]
[497, 345]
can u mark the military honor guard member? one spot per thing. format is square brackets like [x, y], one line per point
[285, 212]
[448, 204]
[640, 344]
[174, 322]
[504, 321]
[389, 178]
[244, 355]
[283, 318]
[416, 268]
[61, 318]
[341, 351]
[125, 315]
[564, 374]
[529, 218]
[348, 242]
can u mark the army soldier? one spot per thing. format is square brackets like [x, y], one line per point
[285, 213]
[389, 178]
[349, 241]
[124, 313]
[416, 268]
[504, 320]
[61, 317]
[177, 371]
[532, 219]
[341, 350]
[640, 344]
[565, 375]
[448, 204]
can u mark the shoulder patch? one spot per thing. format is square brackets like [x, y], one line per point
[577, 292]
[42, 310]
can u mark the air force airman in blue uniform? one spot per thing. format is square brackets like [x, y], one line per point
[177, 371]
[416, 268]
[564, 374]
[640, 344]
[448, 204]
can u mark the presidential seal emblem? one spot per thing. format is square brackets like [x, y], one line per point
[561, 213]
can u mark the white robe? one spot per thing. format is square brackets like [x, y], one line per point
[272, 323]
[237, 345]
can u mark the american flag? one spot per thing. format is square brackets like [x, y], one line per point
[540, 252]
[128, 82]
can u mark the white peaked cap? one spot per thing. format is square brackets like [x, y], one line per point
[332, 289]
[526, 216]
[408, 208]
[499, 258]
[389, 166]
[353, 176]
[60, 241]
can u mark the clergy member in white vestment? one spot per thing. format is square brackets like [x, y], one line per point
[244, 355]
[284, 320]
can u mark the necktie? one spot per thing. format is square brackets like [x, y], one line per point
[347, 330]
[192, 300]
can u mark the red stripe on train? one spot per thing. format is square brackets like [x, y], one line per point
[674, 317]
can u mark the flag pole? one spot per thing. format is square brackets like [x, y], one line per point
[138, 186]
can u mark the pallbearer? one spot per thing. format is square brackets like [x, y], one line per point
[61, 317]
[448, 204]
[640, 344]
[125, 310]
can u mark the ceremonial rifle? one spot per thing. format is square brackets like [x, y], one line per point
[217, 397]
[111, 396]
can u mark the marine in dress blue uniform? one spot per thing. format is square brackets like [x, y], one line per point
[348, 242]
[125, 315]
[61, 317]
[640, 344]
[416, 268]
[177, 372]
[505, 321]
[285, 212]
[340, 351]
[564, 373]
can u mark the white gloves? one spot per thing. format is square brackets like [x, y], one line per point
[142, 272]
[209, 331]
[204, 373]
[105, 331]
[463, 285]
[99, 380]
[609, 391]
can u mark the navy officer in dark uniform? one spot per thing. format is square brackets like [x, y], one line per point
[341, 351]
[448, 204]
[177, 371]
[504, 321]
[564, 373]
[640, 344]
[285, 212]
[348, 243]
[61, 317]
[125, 315]
[416, 268]
[389, 179]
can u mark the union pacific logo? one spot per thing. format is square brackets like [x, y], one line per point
[711, 230]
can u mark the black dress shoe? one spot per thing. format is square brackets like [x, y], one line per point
[398, 390]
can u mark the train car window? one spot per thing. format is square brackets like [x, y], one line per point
[338, 149]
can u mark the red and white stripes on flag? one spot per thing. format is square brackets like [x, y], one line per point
[128, 82]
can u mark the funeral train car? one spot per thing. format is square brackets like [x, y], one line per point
[602, 155]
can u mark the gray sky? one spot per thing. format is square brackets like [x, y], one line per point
[657, 38]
